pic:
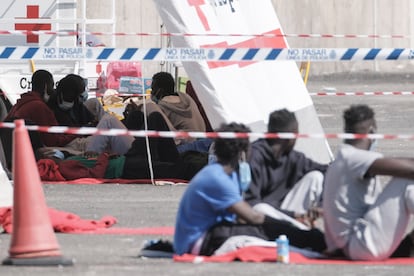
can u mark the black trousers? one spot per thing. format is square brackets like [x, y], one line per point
[166, 160]
[271, 229]
[162, 149]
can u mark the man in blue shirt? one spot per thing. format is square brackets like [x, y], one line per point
[212, 208]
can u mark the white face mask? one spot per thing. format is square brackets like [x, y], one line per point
[374, 142]
[46, 97]
[373, 145]
[65, 105]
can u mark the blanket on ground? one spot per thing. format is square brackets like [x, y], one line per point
[75, 172]
[152, 231]
[63, 222]
[71, 169]
[157, 182]
[268, 254]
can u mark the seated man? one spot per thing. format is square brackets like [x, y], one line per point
[32, 107]
[119, 144]
[365, 220]
[72, 109]
[180, 108]
[67, 102]
[212, 209]
[285, 182]
[166, 161]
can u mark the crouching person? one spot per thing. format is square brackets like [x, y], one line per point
[212, 209]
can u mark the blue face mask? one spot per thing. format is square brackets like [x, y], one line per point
[83, 97]
[154, 99]
[245, 174]
[58, 154]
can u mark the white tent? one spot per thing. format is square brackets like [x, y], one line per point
[240, 91]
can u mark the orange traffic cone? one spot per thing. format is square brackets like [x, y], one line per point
[33, 240]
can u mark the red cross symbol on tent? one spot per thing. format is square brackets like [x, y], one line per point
[200, 13]
[32, 12]
[274, 40]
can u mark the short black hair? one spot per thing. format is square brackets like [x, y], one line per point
[70, 87]
[279, 120]
[228, 149]
[356, 114]
[40, 78]
[165, 81]
[80, 82]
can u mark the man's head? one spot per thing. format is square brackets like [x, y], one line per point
[162, 85]
[228, 151]
[282, 121]
[42, 83]
[69, 91]
[81, 86]
[359, 119]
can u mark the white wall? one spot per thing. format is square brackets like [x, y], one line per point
[373, 17]
[132, 16]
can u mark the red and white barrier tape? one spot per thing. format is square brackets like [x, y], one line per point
[360, 93]
[226, 135]
[313, 94]
[73, 33]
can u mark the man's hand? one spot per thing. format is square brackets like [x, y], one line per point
[310, 216]
[130, 107]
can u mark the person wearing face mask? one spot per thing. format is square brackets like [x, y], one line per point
[178, 109]
[32, 106]
[166, 161]
[68, 102]
[212, 209]
[285, 183]
[365, 219]
[72, 108]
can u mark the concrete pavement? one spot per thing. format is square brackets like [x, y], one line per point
[146, 205]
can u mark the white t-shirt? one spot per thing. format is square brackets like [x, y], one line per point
[348, 193]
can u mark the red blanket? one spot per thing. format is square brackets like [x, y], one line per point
[154, 231]
[268, 254]
[61, 221]
[74, 172]
[169, 181]
[71, 169]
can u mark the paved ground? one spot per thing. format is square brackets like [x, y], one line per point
[146, 205]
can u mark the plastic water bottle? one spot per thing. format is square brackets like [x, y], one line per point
[282, 244]
[212, 158]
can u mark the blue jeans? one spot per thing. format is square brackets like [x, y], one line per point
[201, 145]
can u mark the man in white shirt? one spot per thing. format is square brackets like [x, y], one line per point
[363, 219]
